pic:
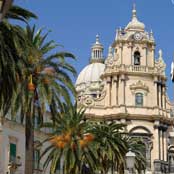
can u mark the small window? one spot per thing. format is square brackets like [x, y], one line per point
[12, 152]
[137, 58]
[139, 99]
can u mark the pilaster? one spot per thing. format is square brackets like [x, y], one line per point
[108, 91]
[114, 91]
[122, 90]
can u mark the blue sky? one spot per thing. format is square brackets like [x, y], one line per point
[74, 24]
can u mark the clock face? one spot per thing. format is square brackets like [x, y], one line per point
[137, 36]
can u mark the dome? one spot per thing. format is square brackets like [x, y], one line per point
[90, 73]
[88, 81]
[135, 24]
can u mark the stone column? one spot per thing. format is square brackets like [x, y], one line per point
[159, 94]
[153, 55]
[114, 91]
[122, 90]
[164, 96]
[155, 91]
[108, 91]
[161, 142]
[121, 53]
[165, 142]
[156, 142]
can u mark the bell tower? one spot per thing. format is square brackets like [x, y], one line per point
[133, 45]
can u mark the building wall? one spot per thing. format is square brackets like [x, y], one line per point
[14, 132]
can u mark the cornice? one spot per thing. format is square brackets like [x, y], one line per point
[126, 116]
[122, 41]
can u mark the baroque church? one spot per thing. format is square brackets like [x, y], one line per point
[129, 86]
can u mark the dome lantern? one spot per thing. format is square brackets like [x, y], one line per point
[97, 51]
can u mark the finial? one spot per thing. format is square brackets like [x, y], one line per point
[151, 35]
[151, 31]
[110, 51]
[134, 12]
[134, 6]
[97, 38]
[160, 53]
[117, 34]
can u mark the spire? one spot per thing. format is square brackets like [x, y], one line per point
[97, 51]
[134, 12]
[151, 36]
[160, 64]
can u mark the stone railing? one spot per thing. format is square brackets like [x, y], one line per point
[135, 68]
[131, 68]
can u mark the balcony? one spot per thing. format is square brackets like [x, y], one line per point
[131, 69]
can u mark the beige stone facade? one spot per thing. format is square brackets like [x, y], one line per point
[12, 138]
[131, 89]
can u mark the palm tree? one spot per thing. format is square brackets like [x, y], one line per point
[12, 44]
[71, 145]
[43, 82]
[111, 144]
[87, 145]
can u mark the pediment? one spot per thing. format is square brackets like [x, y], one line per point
[139, 85]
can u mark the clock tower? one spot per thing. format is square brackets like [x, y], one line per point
[133, 45]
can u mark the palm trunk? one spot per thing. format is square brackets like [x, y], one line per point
[29, 135]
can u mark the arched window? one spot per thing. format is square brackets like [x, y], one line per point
[137, 58]
[139, 99]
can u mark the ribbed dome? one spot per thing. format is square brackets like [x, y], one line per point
[90, 73]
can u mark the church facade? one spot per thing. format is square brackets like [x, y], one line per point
[129, 86]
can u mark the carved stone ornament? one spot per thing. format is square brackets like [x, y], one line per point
[139, 85]
[88, 101]
[160, 64]
[111, 61]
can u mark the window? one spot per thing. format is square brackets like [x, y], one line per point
[12, 152]
[137, 58]
[36, 158]
[139, 99]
